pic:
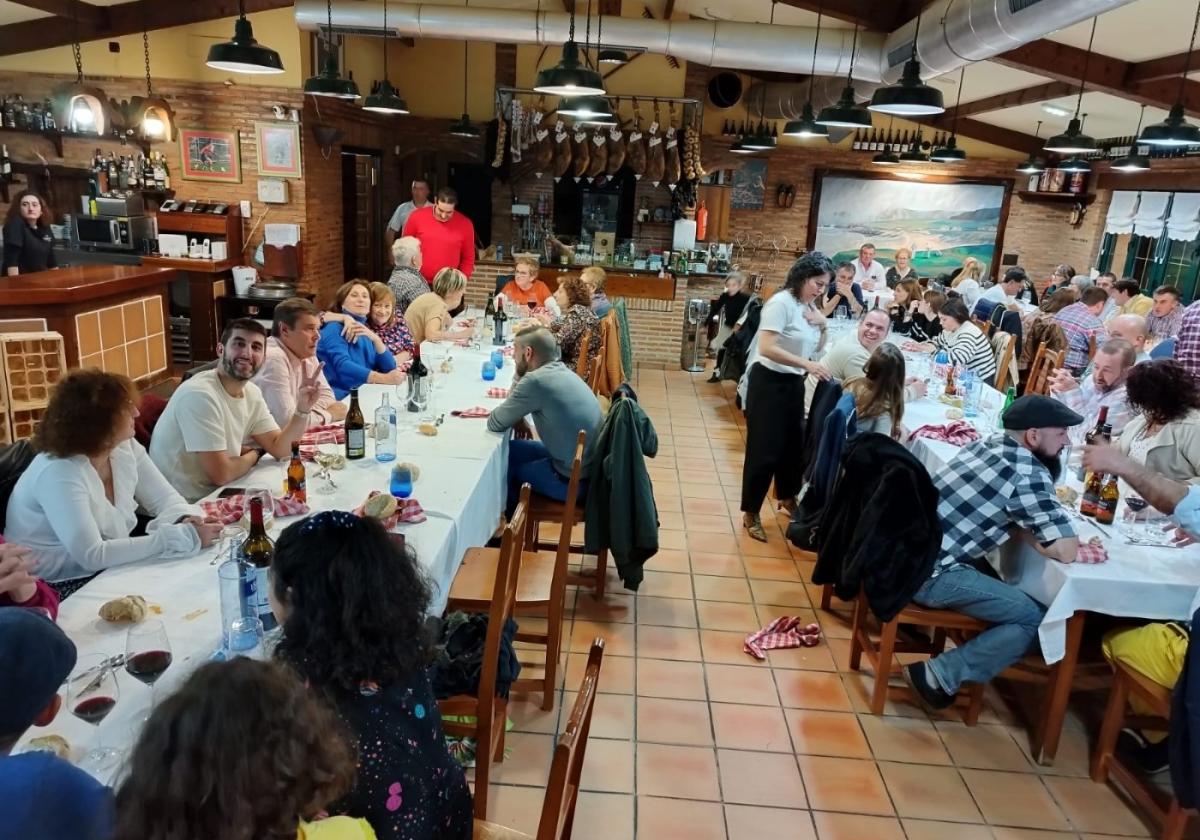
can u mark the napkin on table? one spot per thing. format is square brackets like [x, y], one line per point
[407, 510]
[476, 411]
[957, 432]
[231, 509]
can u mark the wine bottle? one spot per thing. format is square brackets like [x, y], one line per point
[296, 485]
[356, 430]
[499, 320]
[416, 381]
[5, 165]
[1110, 495]
[257, 552]
[1090, 502]
[1094, 436]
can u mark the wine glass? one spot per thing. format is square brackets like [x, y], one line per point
[148, 653]
[92, 694]
[326, 456]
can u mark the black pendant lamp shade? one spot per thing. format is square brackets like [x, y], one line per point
[243, 54]
[570, 77]
[608, 55]
[847, 113]
[885, 159]
[329, 81]
[1132, 161]
[1033, 165]
[913, 154]
[807, 126]
[1072, 141]
[759, 141]
[463, 127]
[384, 99]
[910, 97]
[950, 153]
[1074, 164]
[592, 109]
[1176, 131]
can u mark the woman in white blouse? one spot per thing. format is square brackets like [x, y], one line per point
[76, 504]
[968, 283]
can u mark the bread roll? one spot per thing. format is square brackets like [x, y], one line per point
[127, 610]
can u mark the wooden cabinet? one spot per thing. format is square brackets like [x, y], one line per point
[717, 201]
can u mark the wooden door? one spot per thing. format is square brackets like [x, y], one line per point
[362, 225]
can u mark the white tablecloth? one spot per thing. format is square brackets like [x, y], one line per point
[461, 487]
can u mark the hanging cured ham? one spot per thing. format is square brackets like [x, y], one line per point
[673, 166]
[599, 150]
[580, 154]
[562, 151]
[656, 158]
[543, 151]
[635, 149]
[616, 151]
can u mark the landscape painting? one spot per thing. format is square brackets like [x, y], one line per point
[941, 223]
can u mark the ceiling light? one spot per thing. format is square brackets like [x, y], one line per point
[847, 113]
[1073, 141]
[1033, 165]
[587, 108]
[613, 56]
[1175, 131]
[1074, 164]
[910, 97]
[463, 127]
[1132, 161]
[950, 153]
[806, 126]
[738, 149]
[885, 159]
[1055, 110]
[243, 54]
[913, 155]
[329, 81]
[569, 77]
[384, 99]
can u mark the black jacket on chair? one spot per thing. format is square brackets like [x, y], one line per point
[1184, 741]
[14, 460]
[880, 531]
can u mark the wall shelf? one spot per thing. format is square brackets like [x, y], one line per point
[1073, 198]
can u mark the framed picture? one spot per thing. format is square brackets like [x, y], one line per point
[278, 149]
[210, 155]
[941, 220]
[749, 185]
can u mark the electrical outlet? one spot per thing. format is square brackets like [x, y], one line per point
[245, 209]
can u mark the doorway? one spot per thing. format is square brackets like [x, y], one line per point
[362, 215]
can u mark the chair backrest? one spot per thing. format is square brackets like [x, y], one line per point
[595, 378]
[1051, 361]
[1091, 346]
[1004, 345]
[581, 364]
[1165, 349]
[985, 327]
[14, 460]
[1035, 368]
[558, 808]
[568, 520]
[501, 282]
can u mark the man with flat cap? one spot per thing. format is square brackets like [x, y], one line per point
[990, 489]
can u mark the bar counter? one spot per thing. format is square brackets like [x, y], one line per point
[111, 317]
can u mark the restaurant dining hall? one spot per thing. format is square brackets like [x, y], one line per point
[549, 419]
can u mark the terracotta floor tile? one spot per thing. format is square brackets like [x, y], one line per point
[616, 675]
[780, 593]
[672, 539]
[726, 648]
[529, 717]
[856, 827]
[608, 766]
[904, 739]
[929, 830]
[702, 488]
[1095, 808]
[844, 784]
[518, 808]
[835, 734]
[812, 690]
[982, 747]
[741, 684]
[602, 816]
[704, 524]
[618, 638]
[686, 772]
[527, 760]
[703, 506]
[860, 684]
[749, 822]
[666, 585]
[834, 625]
[663, 721]
[1074, 751]
[666, 612]
[722, 615]
[677, 643]
[671, 680]
[1006, 833]
[1014, 799]
[743, 727]
[679, 819]
[615, 607]
[669, 560]
[771, 568]
[724, 565]
[612, 715]
[668, 521]
[670, 503]
[748, 547]
[749, 778]
[713, 543]
[816, 658]
[925, 792]
[714, 588]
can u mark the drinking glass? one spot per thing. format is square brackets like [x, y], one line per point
[488, 371]
[247, 637]
[498, 359]
[148, 653]
[92, 694]
[328, 453]
[401, 485]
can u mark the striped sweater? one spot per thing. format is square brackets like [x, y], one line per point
[968, 346]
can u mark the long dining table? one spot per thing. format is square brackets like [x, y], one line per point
[1139, 580]
[461, 488]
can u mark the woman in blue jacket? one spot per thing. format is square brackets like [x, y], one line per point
[356, 356]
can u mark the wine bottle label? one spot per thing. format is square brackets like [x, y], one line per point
[260, 605]
[356, 440]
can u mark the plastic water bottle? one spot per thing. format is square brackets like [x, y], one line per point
[384, 431]
[970, 385]
[941, 363]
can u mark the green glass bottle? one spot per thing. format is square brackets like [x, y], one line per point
[1008, 400]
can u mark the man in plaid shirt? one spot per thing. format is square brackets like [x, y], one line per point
[1166, 315]
[987, 490]
[1081, 322]
[1187, 344]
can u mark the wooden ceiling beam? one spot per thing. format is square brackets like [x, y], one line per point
[865, 13]
[1024, 96]
[69, 9]
[1006, 138]
[1169, 66]
[128, 19]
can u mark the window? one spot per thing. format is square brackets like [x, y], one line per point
[1179, 268]
[1139, 261]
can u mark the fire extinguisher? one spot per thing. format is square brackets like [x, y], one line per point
[702, 221]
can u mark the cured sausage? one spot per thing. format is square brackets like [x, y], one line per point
[673, 166]
[656, 162]
[616, 150]
[599, 150]
[580, 154]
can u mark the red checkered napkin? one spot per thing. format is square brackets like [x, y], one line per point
[407, 510]
[784, 632]
[320, 434]
[498, 393]
[1091, 554]
[231, 509]
[477, 411]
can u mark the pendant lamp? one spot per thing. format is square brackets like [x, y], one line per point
[1132, 161]
[608, 55]
[463, 127]
[593, 109]
[847, 113]
[570, 77]
[1033, 165]
[243, 54]
[807, 126]
[950, 153]
[1073, 141]
[329, 82]
[1074, 164]
[152, 114]
[1176, 131]
[913, 153]
[384, 99]
[910, 97]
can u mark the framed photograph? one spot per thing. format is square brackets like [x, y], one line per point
[278, 149]
[210, 155]
[749, 185]
[941, 220]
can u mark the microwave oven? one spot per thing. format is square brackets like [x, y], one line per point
[121, 233]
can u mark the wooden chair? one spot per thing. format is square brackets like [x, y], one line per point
[1044, 364]
[558, 806]
[569, 514]
[581, 364]
[985, 327]
[489, 711]
[1004, 344]
[541, 587]
[944, 623]
[1106, 763]
[1092, 344]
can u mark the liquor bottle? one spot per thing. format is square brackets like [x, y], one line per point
[1091, 495]
[10, 113]
[416, 382]
[257, 552]
[48, 120]
[1106, 510]
[857, 144]
[1095, 435]
[22, 108]
[951, 388]
[160, 172]
[1008, 400]
[297, 488]
[356, 430]
[5, 165]
[499, 319]
[384, 431]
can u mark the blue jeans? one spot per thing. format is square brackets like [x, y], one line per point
[970, 592]
[529, 461]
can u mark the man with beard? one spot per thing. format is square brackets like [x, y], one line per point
[991, 488]
[1103, 388]
[561, 404]
[200, 442]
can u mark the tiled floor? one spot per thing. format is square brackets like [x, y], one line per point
[693, 739]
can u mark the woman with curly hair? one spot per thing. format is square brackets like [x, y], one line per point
[1165, 431]
[352, 605]
[574, 298]
[75, 506]
[241, 751]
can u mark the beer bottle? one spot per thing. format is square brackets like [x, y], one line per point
[296, 487]
[1091, 495]
[1106, 510]
[356, 430]
[1094, 435]
[951, 388]
[257, 551]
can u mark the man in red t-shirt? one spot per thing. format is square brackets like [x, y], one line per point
[447, 237]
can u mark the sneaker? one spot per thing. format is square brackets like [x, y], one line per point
[932, 699]
[753, 525]
[1148, 758]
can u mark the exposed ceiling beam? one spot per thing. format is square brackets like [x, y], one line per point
[69, 9]
[878, 15]
[1162, 68]
[987, 133]
[127, 19]
[1024, 96]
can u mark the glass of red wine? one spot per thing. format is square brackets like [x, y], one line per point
[93, 693]
[147, 653]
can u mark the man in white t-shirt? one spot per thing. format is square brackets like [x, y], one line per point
[868, 273]
[1003, 294]
[200, 442]
[395, 225]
